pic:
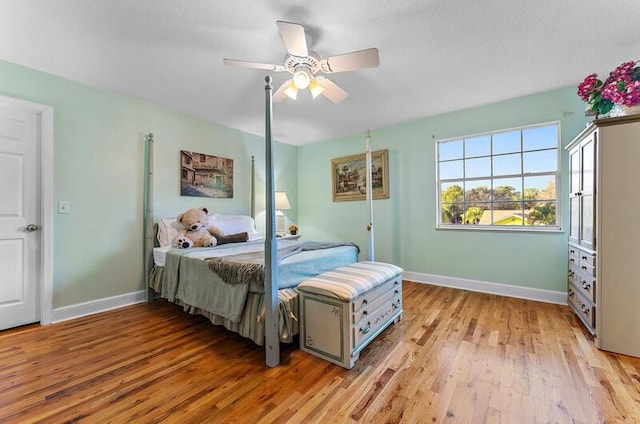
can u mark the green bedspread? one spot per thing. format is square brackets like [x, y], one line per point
[192, 281]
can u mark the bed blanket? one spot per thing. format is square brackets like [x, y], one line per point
[245, 268]
[191, 281]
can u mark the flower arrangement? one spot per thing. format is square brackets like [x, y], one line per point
[621, 88]
[293, 229]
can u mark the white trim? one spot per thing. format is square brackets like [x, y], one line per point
[548, 296]
[46, 214]
[46, 201]
[95, 306]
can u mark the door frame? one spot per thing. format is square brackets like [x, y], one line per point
[45, 147]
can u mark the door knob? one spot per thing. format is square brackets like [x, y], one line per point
[32, 227]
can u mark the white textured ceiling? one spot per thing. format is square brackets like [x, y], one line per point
[435, 55]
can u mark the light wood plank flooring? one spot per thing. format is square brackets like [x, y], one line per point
[456, 356]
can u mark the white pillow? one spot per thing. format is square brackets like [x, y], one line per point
[229, 224]
[233, 224]
[167, 231]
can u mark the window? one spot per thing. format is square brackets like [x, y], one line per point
[503, 179]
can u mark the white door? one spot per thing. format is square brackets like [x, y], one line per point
[19, 216]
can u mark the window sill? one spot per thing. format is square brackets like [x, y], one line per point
[545, 230]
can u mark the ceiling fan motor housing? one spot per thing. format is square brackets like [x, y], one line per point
[295, 63]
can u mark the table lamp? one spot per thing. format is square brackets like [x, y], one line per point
[282, 203]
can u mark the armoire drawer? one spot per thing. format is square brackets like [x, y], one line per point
[574, 255]
[587, 259]
[582, 307]
[586, 285]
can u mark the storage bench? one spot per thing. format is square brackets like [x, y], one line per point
[342, 310]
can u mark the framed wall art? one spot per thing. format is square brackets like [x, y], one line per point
[349, 176]
[203, 175]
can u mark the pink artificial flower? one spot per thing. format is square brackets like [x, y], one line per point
[632, 94]
[622, 86]
[623, 71]
[610, 92]
[587, 87]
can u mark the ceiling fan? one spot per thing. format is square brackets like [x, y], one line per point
[305, 66]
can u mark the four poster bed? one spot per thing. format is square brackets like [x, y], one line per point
[262, 309]
[237, 300]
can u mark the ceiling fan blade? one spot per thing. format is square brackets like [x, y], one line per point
[253, 65]
[331, 90]
[351, 61]
[294, 38]
[279, 96]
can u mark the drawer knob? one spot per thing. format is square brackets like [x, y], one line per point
[366, 329]
[571, 293]
[572, 251]
[395, 283]
[584, 258]
[584, 309]
[396, 292]
[585, 285]
[572, 260]
[365, 312]
[397, 304]
[364, 301]
[583, 267]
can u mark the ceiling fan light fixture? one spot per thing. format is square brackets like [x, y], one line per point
[303, 65]
[315, 88]
[302, 78]
[291, 91]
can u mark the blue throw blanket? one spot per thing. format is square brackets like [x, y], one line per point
[246, 268]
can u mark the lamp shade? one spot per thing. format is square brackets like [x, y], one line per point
[291, 91]
[282, 202]
[315, 88]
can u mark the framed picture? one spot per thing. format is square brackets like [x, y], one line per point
[349, 176]
[203, 175]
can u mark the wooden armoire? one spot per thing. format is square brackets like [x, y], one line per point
[604, 232]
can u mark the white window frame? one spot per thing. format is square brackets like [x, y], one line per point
[475, 227]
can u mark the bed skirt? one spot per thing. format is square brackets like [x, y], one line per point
[251, 324]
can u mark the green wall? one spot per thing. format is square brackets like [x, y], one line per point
[98, 168]
[405, 232]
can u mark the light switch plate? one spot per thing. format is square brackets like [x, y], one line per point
[63, 206]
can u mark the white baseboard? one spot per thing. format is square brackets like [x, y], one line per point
[548, 296]
[93, 307]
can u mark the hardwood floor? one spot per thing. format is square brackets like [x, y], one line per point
[456, 356]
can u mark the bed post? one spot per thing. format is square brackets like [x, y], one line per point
[272, 339]
[370, 249]
[252, 210]
[148, 215]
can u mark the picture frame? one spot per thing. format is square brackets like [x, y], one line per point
[348, 176]
[203, 175]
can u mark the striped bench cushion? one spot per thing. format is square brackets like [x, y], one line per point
[350, 281]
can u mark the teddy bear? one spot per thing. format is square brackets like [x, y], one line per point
[197, 232]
